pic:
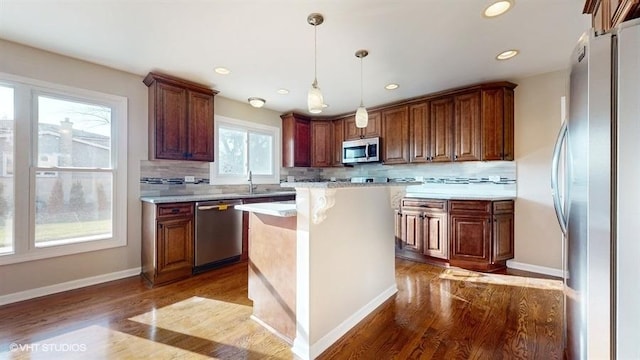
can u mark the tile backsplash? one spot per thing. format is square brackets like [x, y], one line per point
[165, 177]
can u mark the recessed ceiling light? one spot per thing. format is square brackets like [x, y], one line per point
[282, 91]
[222, 70]
[498, 8]
[391, 86]
[256, 102]
[505, 55]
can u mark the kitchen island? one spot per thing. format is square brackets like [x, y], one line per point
[344, 261]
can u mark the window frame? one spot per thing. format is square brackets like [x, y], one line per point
[230, 123]
[26, 92]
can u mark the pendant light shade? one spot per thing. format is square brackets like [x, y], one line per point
[314, 97]
[362, 117]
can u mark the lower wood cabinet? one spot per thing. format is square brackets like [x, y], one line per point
[481, 234]
[167, 241]
[471, 234]
[423, 229]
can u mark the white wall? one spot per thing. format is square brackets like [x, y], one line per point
[38, 64]
[537, 121]
[42, 276]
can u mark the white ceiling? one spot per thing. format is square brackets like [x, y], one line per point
[423, 45]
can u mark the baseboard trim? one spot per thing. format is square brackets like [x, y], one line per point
[313, 351]
[66, 286]
[534, 268]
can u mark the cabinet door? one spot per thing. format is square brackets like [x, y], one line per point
[412, 230]
[374, 126]
[296, 141]
[419, 133]
[470, 238]
[351, 132]
[321, 141]
[175, 248]
[397, 228]
[508, 123]
[441, 127]
[492, 124]
[200, 126]
[338, 138]
[467, 127]
[303, 144]
[395, 135]
[503, 237]
[171, 132]
[435, 238]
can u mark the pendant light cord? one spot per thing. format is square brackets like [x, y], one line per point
[315, 56]
[361, 82]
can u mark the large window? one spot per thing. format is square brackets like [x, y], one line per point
[63, 184]
[243, 146]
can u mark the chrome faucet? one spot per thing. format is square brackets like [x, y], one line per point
[251, 187]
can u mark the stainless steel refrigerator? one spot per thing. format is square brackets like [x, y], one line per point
[600, 215]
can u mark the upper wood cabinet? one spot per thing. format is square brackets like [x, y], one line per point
[607, 14]
[466, 124]
[467, 127]
[497, 124]
[441, 130]
[296, 140]
[338, 138]
[419, 133]
[395, 135]
[321, 143]
[373, 129]
[180, 119]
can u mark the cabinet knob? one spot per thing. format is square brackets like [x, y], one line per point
[456, 157]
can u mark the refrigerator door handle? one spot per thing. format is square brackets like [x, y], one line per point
[555, 190]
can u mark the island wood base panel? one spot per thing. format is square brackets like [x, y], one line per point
[272, 273]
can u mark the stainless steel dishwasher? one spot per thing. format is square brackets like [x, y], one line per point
[218, 231]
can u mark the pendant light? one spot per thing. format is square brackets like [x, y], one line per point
[314, 98]
[362, 117]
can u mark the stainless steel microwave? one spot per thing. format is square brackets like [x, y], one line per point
[361, 151]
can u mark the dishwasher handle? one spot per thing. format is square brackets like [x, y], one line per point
[220, 207]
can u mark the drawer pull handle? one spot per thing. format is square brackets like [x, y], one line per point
[175, 210]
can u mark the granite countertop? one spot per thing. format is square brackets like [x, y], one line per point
[279, 208]
[423, 195]
[344, 184]
[161, 199]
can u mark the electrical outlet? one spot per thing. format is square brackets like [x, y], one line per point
[189, 179]
[494, 178]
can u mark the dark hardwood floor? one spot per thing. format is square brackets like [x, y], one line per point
[432, 317]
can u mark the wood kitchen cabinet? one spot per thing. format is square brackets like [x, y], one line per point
[167, 241]
[467, 127]
[423, 229]
[338, 138]
[419, 133]
[373, 129]
[497, 123]
[607, 14]
[395, 135]
[181, 117]
[296, 140]
[321, 143]
[441, 119]
[481, 234]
